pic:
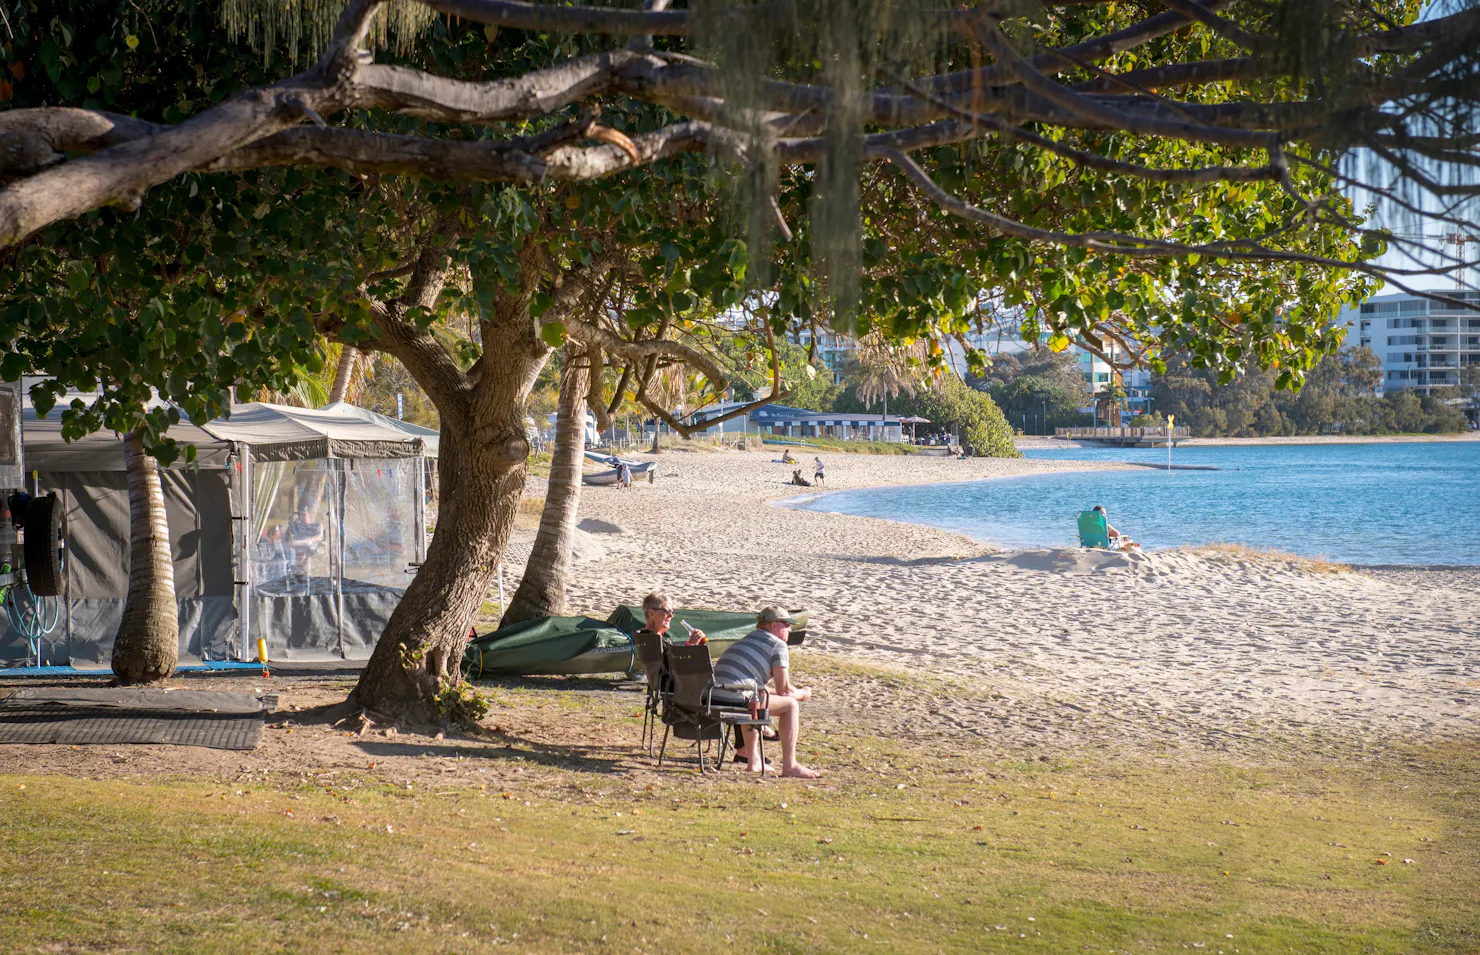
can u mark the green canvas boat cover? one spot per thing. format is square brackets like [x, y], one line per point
[585, 645]
[720, 626]
[571, 645]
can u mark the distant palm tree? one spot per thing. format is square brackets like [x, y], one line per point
[315, 389]
[880, 370]
[670, 388]
[350, 369]
[1109, 399]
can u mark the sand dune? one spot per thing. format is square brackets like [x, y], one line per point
[1060, 647]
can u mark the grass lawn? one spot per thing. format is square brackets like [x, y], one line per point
[905, 847]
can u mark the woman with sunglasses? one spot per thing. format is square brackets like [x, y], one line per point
[659, 614]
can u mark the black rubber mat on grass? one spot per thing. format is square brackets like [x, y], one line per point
[109, 716]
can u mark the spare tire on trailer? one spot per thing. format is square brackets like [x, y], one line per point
[43, 546]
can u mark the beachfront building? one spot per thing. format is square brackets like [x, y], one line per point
[1099, 376]
[1005, 338]
[785, 421]
[1422, 344]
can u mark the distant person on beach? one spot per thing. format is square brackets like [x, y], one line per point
[786, 457]
[817, 478]
[658, 613]
[624, 475]
[762, 657]
[1116, 537]
[798, 480]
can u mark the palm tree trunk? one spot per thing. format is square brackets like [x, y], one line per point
[148, 643]
[344, 375]
[541, 592]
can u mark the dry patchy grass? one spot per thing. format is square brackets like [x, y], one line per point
[530, 510]
[540, 843]
[1243, 552]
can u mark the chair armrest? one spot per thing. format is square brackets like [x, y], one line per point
[741, 688]
[744, 690]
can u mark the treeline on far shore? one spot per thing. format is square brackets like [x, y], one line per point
[1337, 398]
[1039, 391]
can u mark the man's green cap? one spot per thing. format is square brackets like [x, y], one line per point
[772, 615]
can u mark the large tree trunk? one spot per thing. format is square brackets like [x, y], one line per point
[481, 462]
[482, 466]
[148, 643]
[541, 592]
[422, 645]
[344, 375]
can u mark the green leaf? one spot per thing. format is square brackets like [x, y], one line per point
[554, 334]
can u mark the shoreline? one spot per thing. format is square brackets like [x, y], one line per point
[798, 503]
[1040, 442]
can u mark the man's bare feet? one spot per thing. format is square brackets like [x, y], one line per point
[756, 767]
[800, 772]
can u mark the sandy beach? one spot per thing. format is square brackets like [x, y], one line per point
[1183, 650]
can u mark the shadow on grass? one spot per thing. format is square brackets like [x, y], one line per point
[590, 759]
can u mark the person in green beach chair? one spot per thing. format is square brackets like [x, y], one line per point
[1095, 531]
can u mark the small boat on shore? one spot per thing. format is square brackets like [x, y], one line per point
[608, 478]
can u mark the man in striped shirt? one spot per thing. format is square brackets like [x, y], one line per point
[759, 658]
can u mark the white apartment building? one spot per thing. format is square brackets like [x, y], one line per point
[1097, 374]
[1422, 343]
[834, 350]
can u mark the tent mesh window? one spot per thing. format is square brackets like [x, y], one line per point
[332, 543]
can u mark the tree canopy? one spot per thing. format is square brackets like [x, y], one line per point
[1172, 151]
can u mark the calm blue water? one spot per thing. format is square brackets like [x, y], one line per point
[1355, 503]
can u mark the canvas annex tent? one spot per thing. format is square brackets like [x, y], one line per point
[300, 527]
[88, 477]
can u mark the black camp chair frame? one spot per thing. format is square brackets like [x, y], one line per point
[690, 706]
[652, 653]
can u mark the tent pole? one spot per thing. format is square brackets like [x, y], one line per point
[67, 571]
[420, 515]
[338, 464]
[244, 553]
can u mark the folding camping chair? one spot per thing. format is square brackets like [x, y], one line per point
[1093, 531]
[703, 710]
[650, 653]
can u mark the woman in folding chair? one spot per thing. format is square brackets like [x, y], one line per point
[758, 658]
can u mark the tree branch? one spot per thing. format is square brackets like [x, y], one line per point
[528, 96]
[121, 174]
[1097, 110]
[550, 18]
[593, 335]
[1193, 10]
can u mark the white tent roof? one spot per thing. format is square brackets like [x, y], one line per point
[47, 450]
[428, 437]
[283, 433]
